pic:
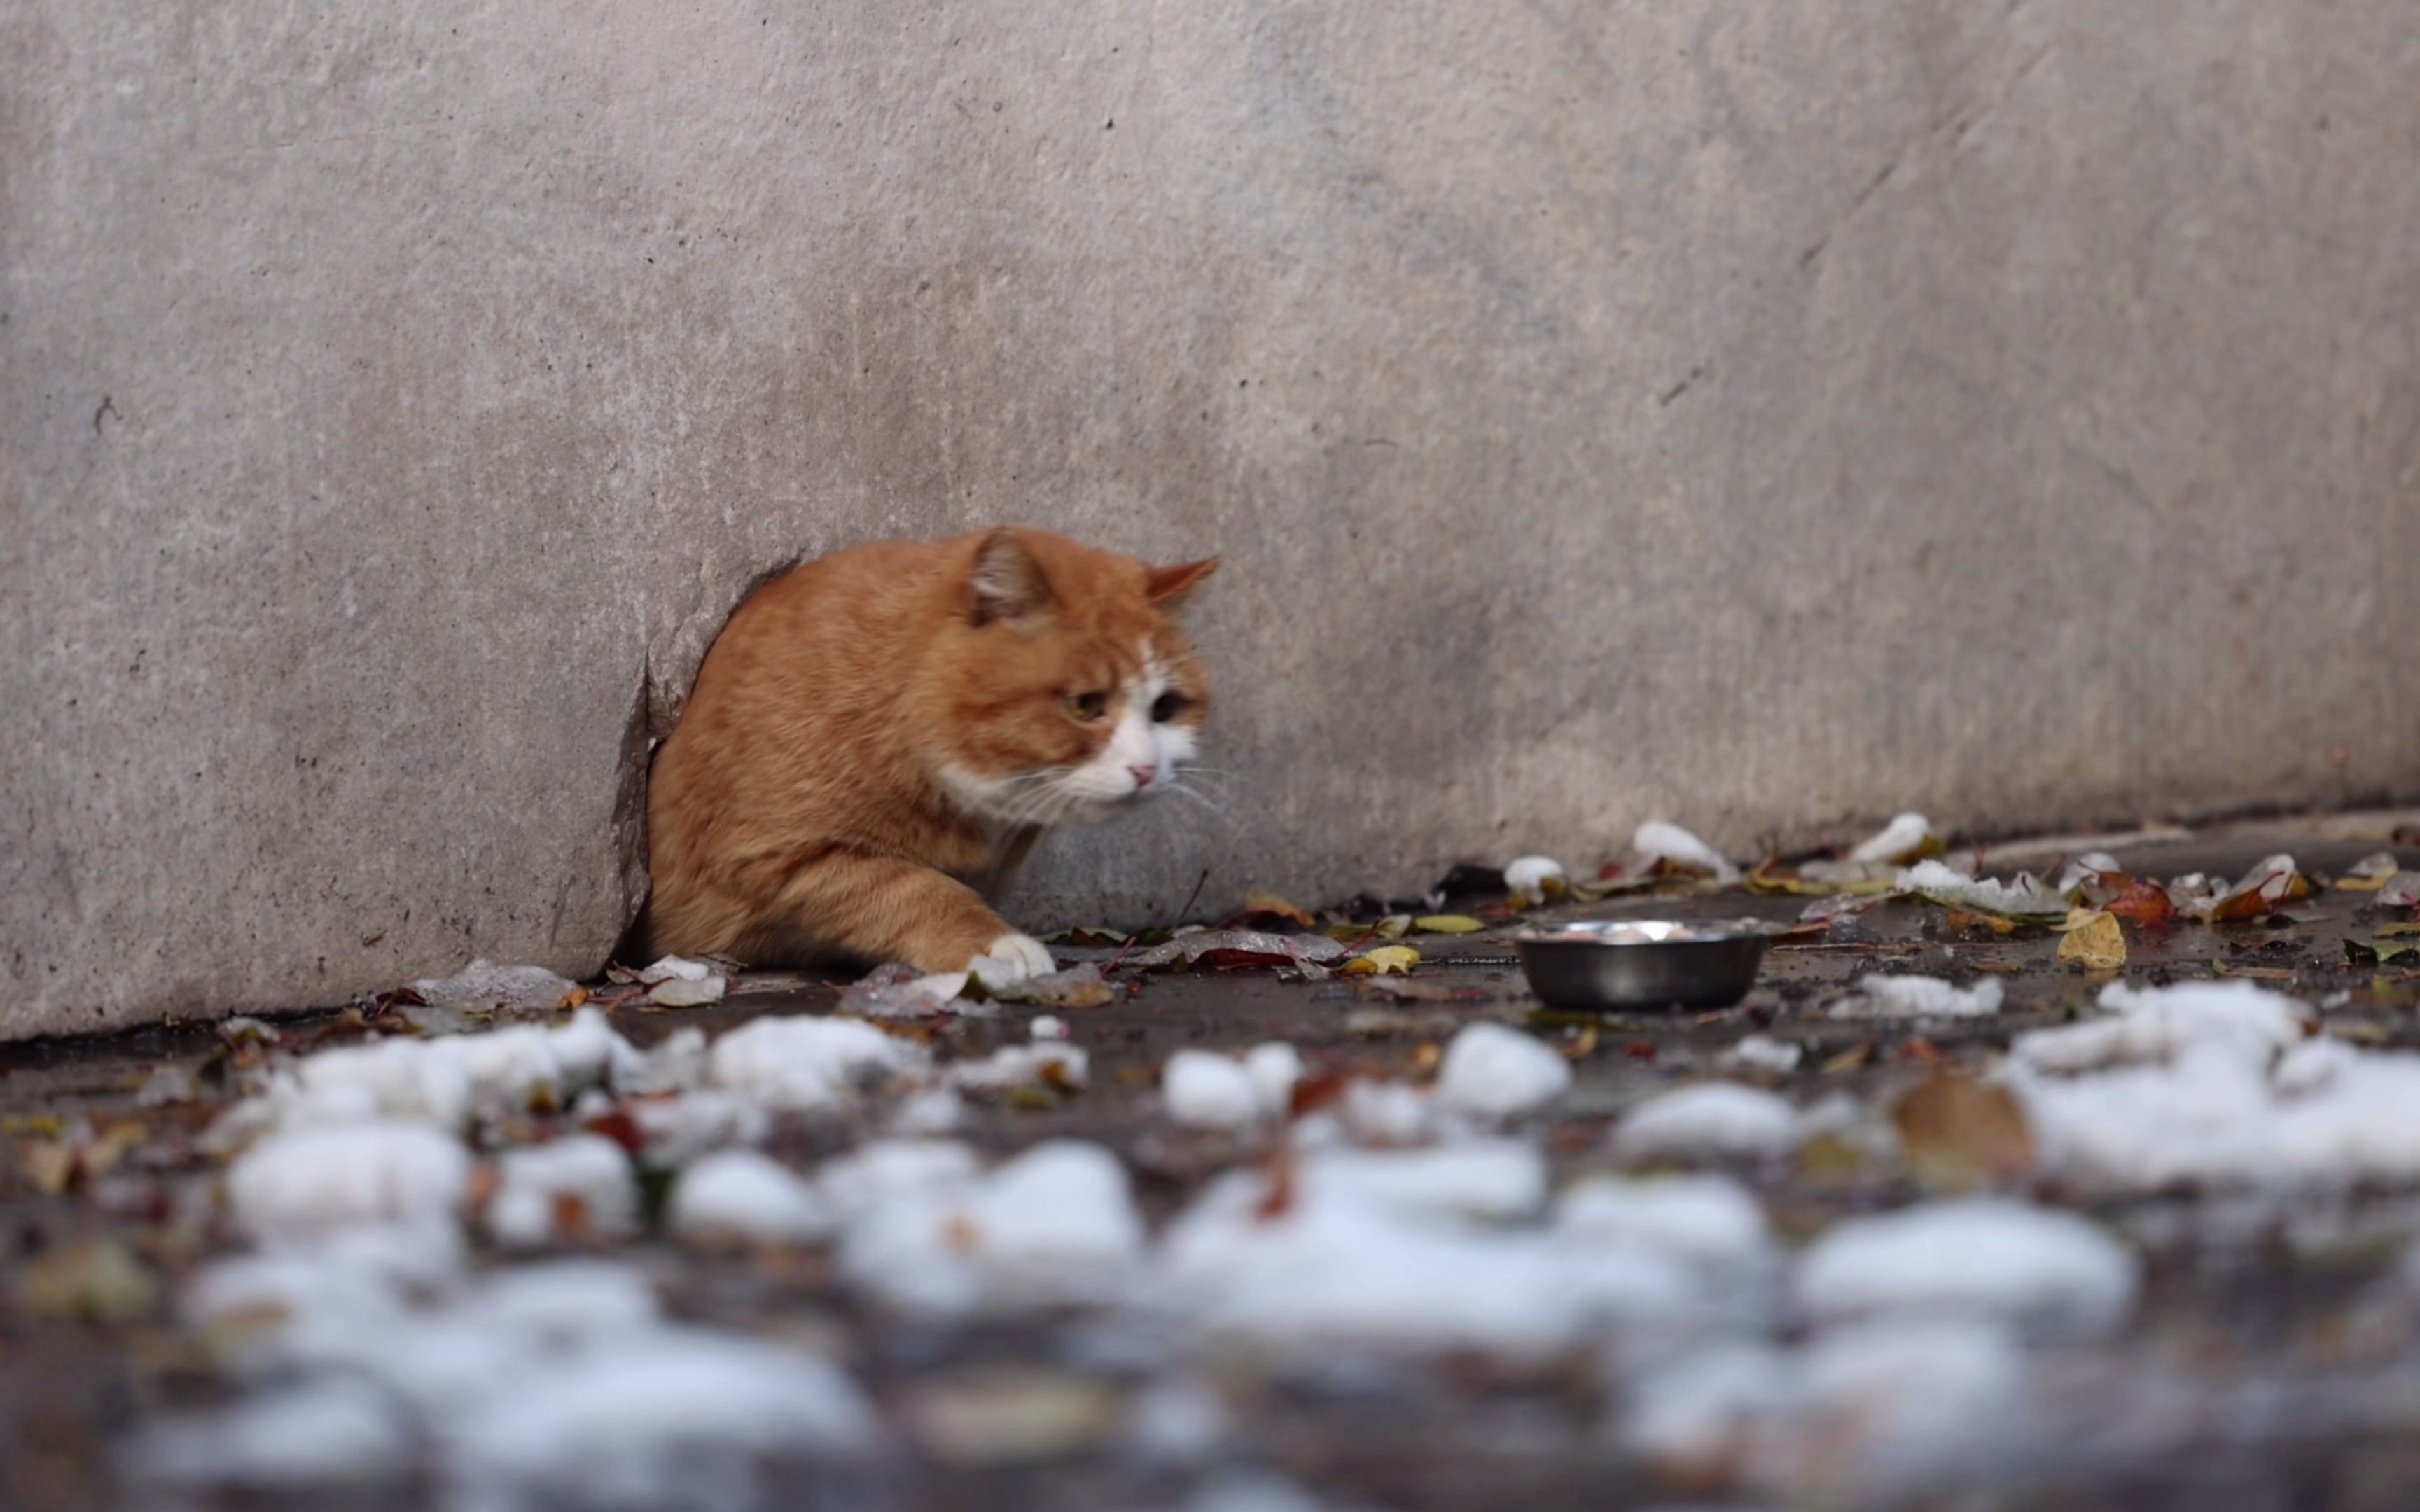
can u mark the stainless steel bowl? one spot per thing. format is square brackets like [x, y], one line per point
[1641, 963]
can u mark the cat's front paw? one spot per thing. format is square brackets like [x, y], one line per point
[1026, 955]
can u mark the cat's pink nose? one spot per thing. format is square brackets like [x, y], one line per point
[1142, 774]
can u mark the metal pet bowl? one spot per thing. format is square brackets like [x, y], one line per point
[1641, 963]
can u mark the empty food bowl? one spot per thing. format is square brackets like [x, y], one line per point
[1641, 963]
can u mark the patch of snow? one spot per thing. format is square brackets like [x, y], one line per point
[1054, 1226]
[1708, 1121]
[634, 1419]
[1708, 1221]
[1210, 1089]
[545, 1385]
[1899, 841]
[1493, 1071]
[1274, 1066]
[447, 1079]
[1763, 1052]
[1850, 1414]
[866, 1178]
[808, 1064]
[484, 985]
[2155, 1024]
[1526, 879]
[1046, 1026]
[745, 1194]
[1188, 947]
[318, 1178]
[681, 1128]
[931, 1110]
[1900, 997]
[1044, 1063]
[578, 1187]
[896, 991]
[1386, 1113]
[1403, 1253]
[2037, 1267]
[2024, 897]
[1493, 1179]
[318, 1433]
[1657, 840]
[1206, 1089]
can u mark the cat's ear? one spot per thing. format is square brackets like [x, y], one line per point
[1170, 587]
[1007, 583]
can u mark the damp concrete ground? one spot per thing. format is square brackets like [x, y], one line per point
[2279, 1297]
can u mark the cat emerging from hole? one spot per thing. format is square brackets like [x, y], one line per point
[877, 738]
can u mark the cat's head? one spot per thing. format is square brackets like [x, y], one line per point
[1060, 687]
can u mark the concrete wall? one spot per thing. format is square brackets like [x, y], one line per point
[1762, 415]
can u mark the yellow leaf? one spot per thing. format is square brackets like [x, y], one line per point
[1395, 959]
[1261, 900]
[2096, 941]
[1447, 924]
[2390, 930]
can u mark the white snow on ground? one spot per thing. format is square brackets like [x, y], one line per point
[317, 1179]
[1898, 841]
[745, 1194]
[676, 982]
[579, 1186]
[1210, 1089]
[2023, 897]
[1708, 1121]
[546, 1384]
[1707, 1220]
[2216, 1084]
[1417, 1250]
[1528, 879]
[447, 1079]
[1206, 1089]
[1763, 1052]
[808, 1064]
[1851, 1413]
[681, 1128]
[319, 1433]
[2046, 1270]
[2154, 1024]
[1386, 1113]
[484, 985]
[1491, 1072]
[1040, 1063]
[1900, 997]
[1055, 1225]
[1658, 840]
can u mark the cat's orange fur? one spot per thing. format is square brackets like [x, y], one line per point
[877, 734]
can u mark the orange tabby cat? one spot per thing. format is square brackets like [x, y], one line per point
[876, 730]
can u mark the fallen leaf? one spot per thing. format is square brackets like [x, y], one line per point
[1957, 1133]
[2377, 951]
[2142, 903]
[48, 1165]
[1242, 960]
[1261, 900]
[1447, 924]
[2255, 973]
[1966, 919]
[2408, 927]
[1849, 1059]
[1397, 960]
[97, 1280]
[2097, 942]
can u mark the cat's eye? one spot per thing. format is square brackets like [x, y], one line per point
[1167, 706]
[1087, 706]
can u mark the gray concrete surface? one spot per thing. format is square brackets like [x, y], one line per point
[1766, 417]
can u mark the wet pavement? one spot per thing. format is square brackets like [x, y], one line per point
[2288, 1312]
